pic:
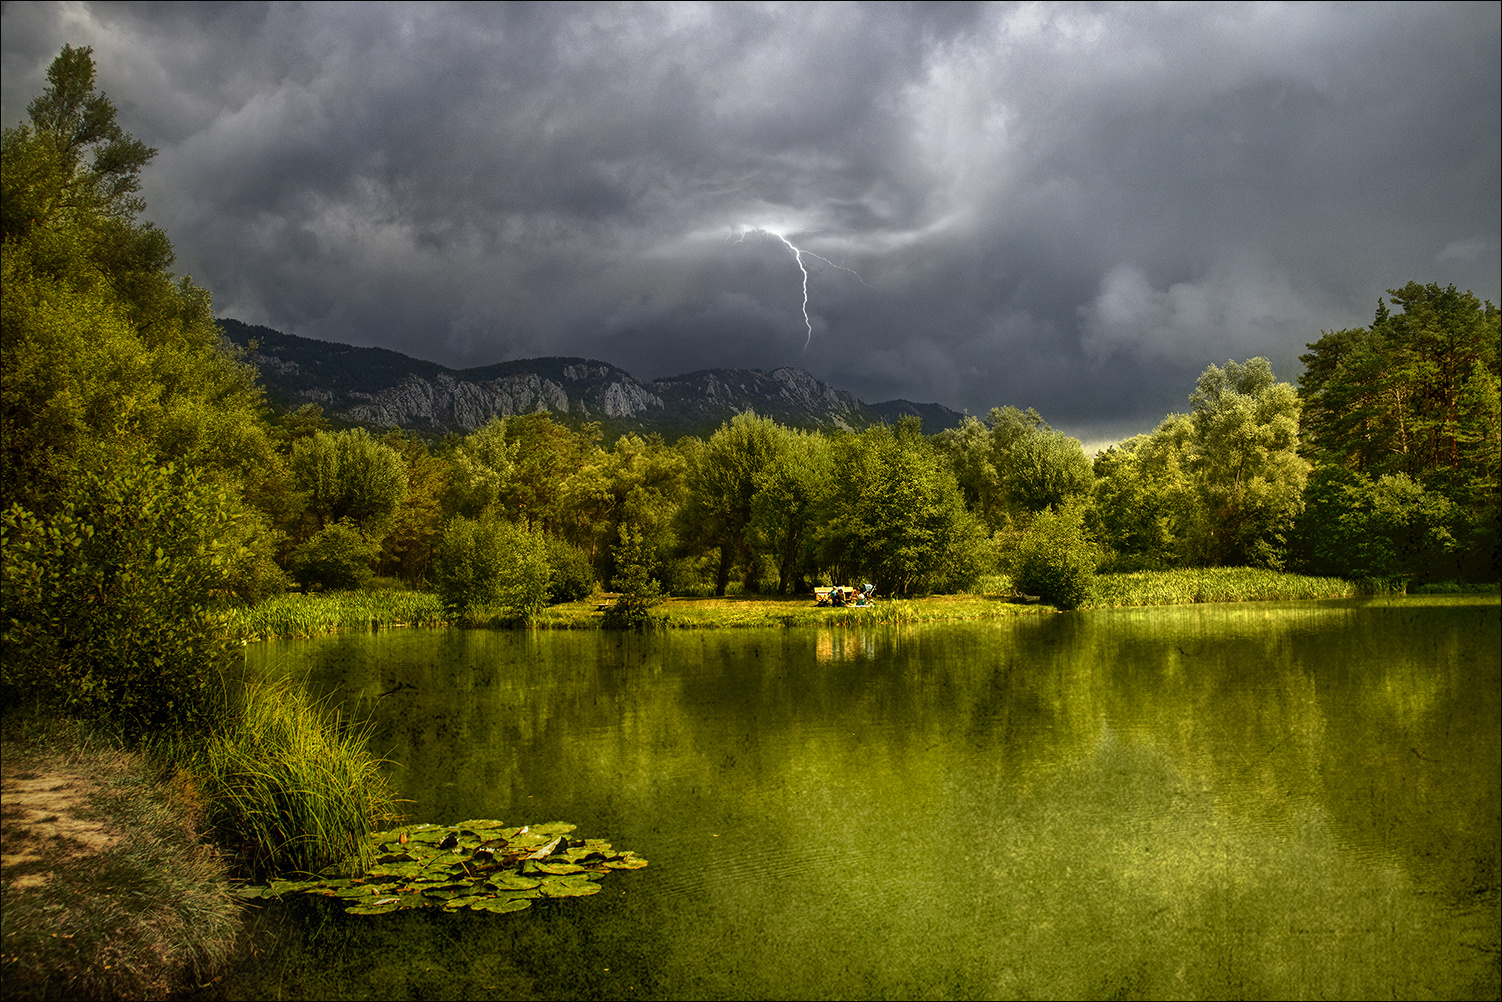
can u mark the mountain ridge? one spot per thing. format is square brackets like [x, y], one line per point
[383, 388]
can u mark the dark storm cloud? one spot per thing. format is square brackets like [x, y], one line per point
[1070, 207]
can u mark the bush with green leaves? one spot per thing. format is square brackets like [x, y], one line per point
[1387, 528]
[107, 597]
[1055, 558]
[573, 576]
[337, 557]
[489, 564]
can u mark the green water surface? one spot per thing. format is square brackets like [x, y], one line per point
[1251, 801]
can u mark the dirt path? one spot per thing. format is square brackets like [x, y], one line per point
[41, 823]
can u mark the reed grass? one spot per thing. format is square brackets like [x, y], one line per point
[1212, 584]
[298, 616]
[292, 788]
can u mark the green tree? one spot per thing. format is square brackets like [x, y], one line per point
[895, 514]
[1409, 394]
[1415, 394]
[132, 439]
[484, 467]
[722, 484]
[1037, 467]
[639, 591]
[1144, 508]
[1244, 458]
[417, 524]
[788, 503]
[969, 450]
[349, 476]
[638, 482]
[336, 557]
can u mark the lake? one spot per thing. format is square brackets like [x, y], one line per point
[1256, 800]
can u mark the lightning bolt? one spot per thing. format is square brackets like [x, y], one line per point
[798, 253]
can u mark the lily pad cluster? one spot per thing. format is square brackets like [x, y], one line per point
[479, 865]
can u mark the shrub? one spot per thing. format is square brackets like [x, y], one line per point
[490, 564]
[337, 557]
[290, 789]
[639, 591]
[106, 598]
[1055, 559]
[573, 576]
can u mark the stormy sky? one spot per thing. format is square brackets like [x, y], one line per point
[1070, 207]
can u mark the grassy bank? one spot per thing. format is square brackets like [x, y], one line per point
[108, 892]
[299, 616]
[110, 889]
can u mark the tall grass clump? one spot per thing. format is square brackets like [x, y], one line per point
[296, 617]
[291, 788]
[1186, 586]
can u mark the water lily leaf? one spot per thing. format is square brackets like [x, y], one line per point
[379, 907]
[479, 865]
[568, 887]
[630, 862]
[501, 905]
[513, 882]
[254, 891]
[455, 904]
[554, 828]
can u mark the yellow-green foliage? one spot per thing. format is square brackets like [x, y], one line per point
[292, 789]
[1212, 584]
[297, 616]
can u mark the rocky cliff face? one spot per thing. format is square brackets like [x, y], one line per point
[373, 386]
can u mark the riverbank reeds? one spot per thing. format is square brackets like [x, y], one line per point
[108, 892]
[296, 616]
[1187, 586]
[290, 787]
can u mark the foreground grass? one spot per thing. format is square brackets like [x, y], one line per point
[108, 892]
[290, 789]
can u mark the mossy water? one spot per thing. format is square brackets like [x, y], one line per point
[1205, 801]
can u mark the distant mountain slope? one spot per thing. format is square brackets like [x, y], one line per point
[378, 387]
